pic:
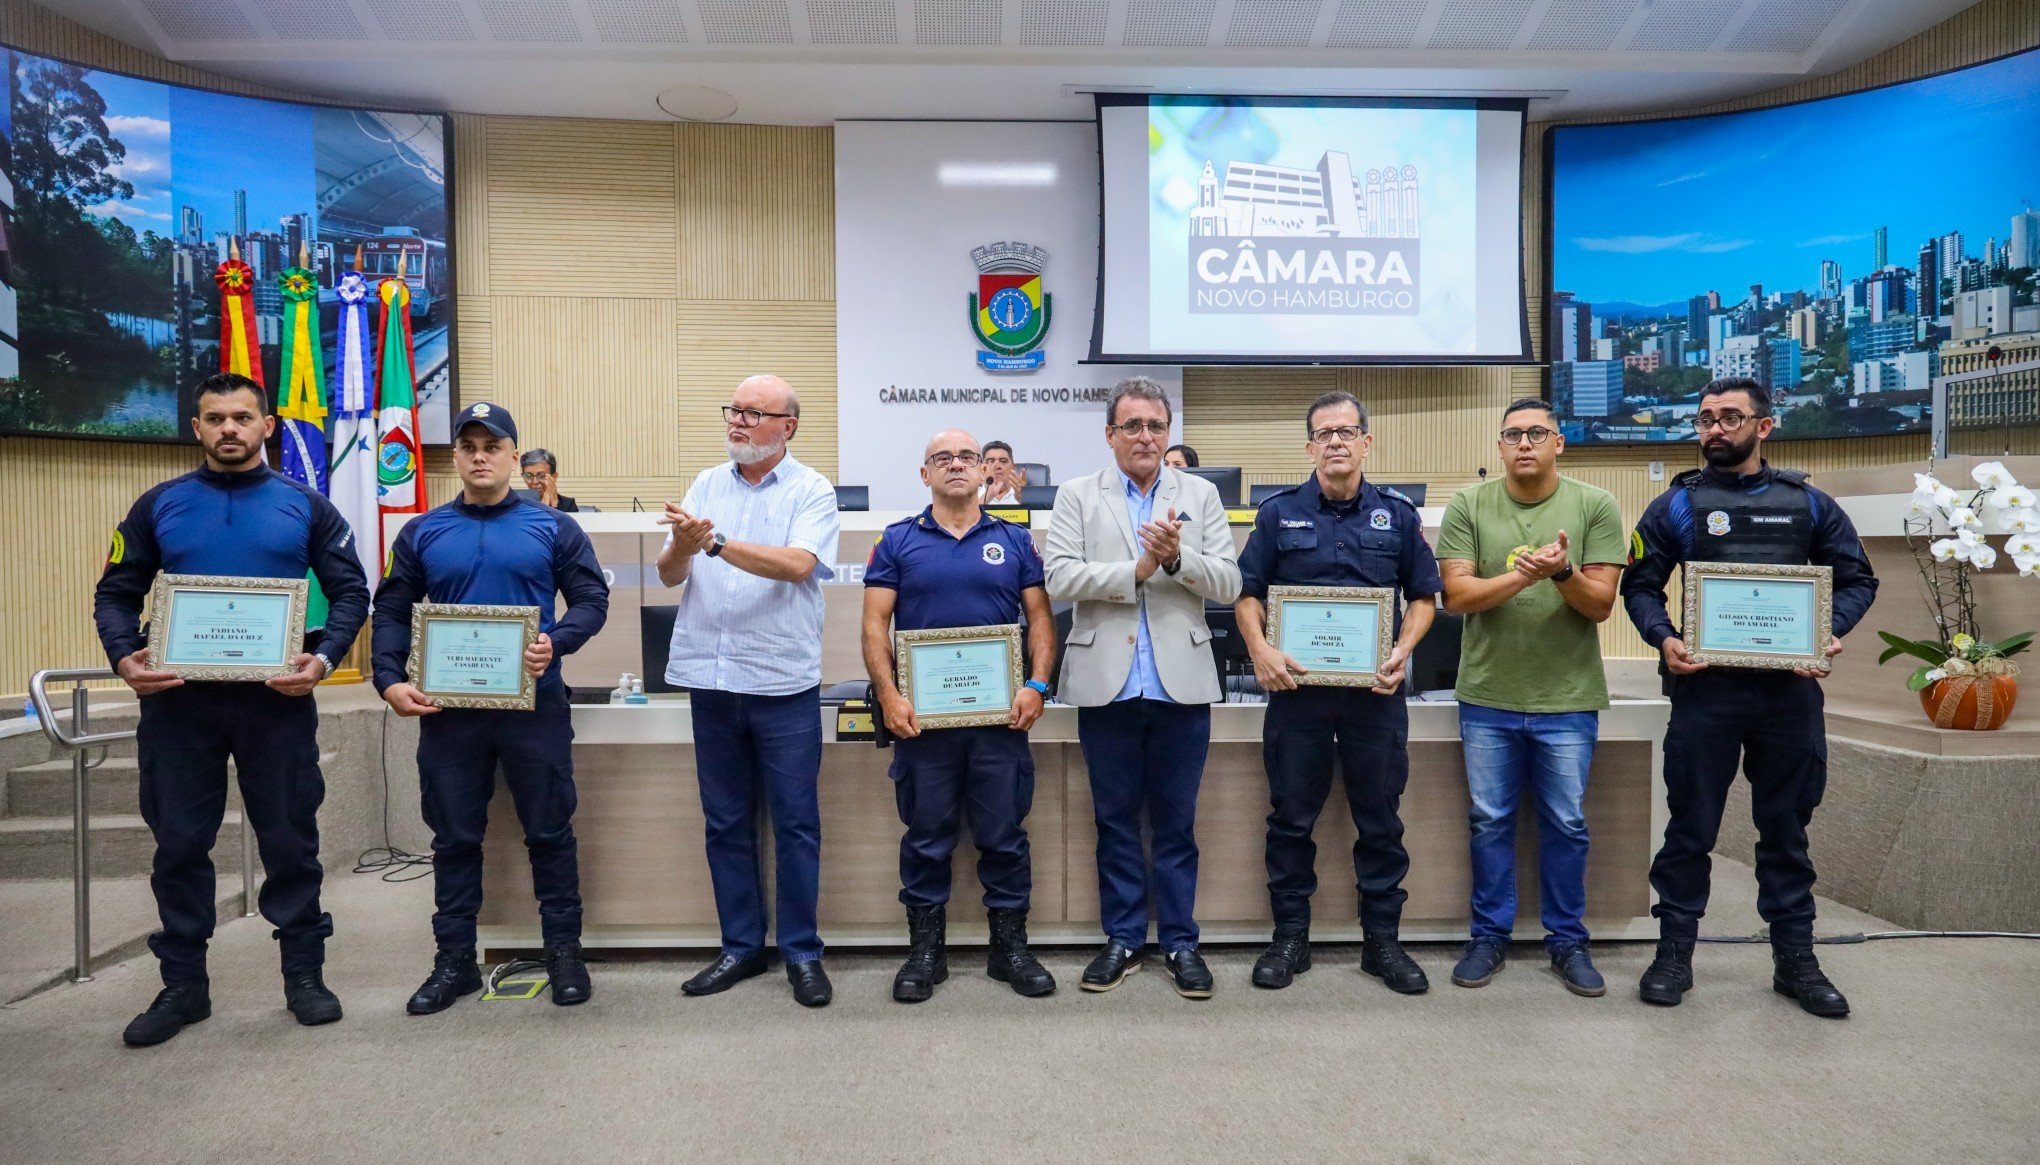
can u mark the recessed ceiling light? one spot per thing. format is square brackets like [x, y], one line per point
[697, 103]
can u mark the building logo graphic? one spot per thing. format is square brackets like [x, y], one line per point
[1279, 240]
[1009, 313]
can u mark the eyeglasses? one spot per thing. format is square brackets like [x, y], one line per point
[1132, 429]
[1538, 435]
[732, 415]
[1726, 422]
[536, 477]
[967, 459]
[1345, 433]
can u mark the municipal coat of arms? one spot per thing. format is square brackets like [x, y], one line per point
[1009, 312]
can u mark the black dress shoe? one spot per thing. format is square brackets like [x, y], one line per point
[1111, 967]
[1382, 956]
[454, 974]
[1193, 978]
[726, 972]
[176, 1007]
[1670, 974]
[1797, 974]
[306, 995]
[1286, 958]
[810, 983]
[569, 975]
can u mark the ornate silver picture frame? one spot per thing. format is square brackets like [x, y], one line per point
[457, 681]
[947, 669]
[1327, 670]
[226, 627]
[1759, 615]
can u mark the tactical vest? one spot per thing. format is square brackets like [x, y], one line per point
[1773, 525]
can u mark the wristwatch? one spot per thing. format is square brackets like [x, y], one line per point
[321, 657]
[716, 544]
[1170, 568]
[1039, 687]
[1563, 575]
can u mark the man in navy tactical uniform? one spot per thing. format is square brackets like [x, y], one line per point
[489, 546]
[1740, 509]
[1337, 530]
[953, 565]
[231, 516]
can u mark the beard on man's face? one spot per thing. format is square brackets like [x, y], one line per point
[241, 454]
[1725, 449]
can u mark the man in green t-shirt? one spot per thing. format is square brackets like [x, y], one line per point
[1531, 687]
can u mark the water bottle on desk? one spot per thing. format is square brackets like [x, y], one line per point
[621, 694]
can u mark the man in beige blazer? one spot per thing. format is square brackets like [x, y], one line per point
[1139, 548]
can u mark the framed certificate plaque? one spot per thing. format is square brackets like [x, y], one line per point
[1341, 635]
[218, 627]
[959, 677]
[1744, 614]
[469, 656]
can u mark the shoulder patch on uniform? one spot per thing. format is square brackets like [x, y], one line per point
[1637, 549]
[1689, 478]
[118, 551]
[1398, 495]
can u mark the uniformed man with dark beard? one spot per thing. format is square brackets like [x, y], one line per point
[1770, 723]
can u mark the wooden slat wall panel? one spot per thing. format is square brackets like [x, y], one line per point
[757, 213]
[579, 207]
[720, 343]
[589, 379]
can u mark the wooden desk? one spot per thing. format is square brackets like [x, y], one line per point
[644, 875]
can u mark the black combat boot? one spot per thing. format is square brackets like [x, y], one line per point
[1670, 975]
[454, 974]
[1010, 961]
[1796, 972]
[308, 998]
[177, 1007]
[1286, 957]
[927, 955]
[1382, 955]
[567, 971]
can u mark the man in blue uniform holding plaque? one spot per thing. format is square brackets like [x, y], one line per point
[1740, 509]
[489, 546]
[953, 565]
[232, 517]
[1337, 530]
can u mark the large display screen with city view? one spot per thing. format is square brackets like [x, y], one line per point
[1272, 230]
[124, 195]
[1862, 256]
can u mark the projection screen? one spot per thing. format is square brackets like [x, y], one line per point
[1310, 230]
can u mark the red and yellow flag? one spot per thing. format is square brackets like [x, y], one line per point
[240, 348]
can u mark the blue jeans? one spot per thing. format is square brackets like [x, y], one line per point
[1549, 752]
[748, 748]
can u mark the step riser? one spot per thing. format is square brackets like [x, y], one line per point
[116, 853]
[49, 794]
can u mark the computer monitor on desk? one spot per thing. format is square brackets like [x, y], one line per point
[853, 497]
[1225, 477]
[1413, 490]
[1037, 497]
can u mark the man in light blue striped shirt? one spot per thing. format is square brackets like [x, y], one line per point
[753, 540]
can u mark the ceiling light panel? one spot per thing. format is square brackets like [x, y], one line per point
[867, 22]
[530, 21]
[1376, 24]
[1063, 23]
[746, 21]
[1785, 26]
[413, 20]
[311, 20]
[201, 19]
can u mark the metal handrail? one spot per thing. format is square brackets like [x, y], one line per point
[78, 741]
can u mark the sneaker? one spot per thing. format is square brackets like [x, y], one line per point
[1481, 961]
[1570, 963]
[177, 1007]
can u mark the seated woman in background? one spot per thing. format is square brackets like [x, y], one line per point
[1179, 457]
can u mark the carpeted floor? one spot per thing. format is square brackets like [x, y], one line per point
[1941, 1062]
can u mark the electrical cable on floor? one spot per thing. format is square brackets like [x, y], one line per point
[504, 970]
[386, 859]
[1872, 936]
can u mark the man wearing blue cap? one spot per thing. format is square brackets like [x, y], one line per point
[489, 546]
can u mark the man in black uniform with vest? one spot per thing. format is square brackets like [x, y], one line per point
[1337, 530]
[1739, 509]
[231, 516]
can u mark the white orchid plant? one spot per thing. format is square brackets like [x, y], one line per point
[1946, 563]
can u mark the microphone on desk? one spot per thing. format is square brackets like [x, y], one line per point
[1483, 474]
[637, 507]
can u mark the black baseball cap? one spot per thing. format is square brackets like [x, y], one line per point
[493, 417]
